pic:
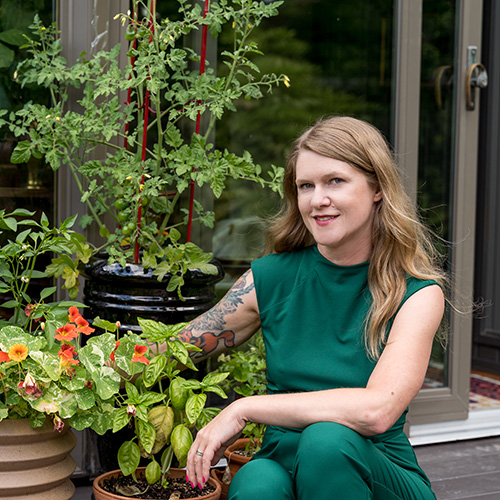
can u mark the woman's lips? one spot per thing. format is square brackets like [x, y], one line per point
[323, 220]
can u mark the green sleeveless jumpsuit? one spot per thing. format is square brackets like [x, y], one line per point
[312, 314]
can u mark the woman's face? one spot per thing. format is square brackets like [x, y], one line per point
[337, 205]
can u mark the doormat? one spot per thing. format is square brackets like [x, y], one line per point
[484, 393]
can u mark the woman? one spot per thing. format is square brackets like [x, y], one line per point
[349, 303]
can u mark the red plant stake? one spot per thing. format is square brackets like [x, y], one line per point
[152, 13]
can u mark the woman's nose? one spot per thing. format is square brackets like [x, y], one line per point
[320, 198]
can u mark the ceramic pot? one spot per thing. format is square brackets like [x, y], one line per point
[235, 461]
[218, 476]
[101, 494]
[35, 464]
[117, 293]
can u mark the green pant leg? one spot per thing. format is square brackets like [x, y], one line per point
[262, 479]
[335, 462]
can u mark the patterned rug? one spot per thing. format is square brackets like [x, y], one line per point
[484, 393]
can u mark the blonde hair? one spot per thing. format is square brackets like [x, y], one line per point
[402, 245]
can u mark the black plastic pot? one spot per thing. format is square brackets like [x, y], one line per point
[117, 293]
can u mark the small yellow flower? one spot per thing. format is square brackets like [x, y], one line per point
[249, 26]
[47, 117]
[287, 81]
[15, 75]
[129, 178]
[124, 20]
[58, 118]
[42, 28]
[147, 176]
[116, 17]
[141, 187]
[234, 24]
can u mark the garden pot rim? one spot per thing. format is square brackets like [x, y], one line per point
[140, 471]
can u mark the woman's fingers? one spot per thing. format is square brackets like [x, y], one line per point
[199, 461]
[210, 444]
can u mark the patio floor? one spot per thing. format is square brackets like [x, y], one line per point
[464, 469]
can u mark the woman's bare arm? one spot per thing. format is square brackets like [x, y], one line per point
[232, 321]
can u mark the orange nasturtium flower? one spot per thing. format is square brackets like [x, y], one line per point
[67, 332]
[18, 352]
[74, 313]
[83, 326]
[4, 356]
[67, 354]
[112, 355]
[138, 357]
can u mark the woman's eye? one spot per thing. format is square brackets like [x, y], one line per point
[336, 180]
[305, 185]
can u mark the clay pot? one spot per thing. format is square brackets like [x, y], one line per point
[235, 461]
[101, 494]
[35, 463]
[218, 476]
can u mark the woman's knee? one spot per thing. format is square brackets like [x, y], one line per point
[262, 479]
[329, 443]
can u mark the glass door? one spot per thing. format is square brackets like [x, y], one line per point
[444, 174]
[402, 65]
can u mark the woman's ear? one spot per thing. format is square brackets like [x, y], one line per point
[377, 196]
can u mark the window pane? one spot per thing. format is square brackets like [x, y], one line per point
[338, 56]
[29, 185]
[436, 138]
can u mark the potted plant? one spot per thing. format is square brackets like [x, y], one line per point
[43, 384]
[158, 144]
[162, 409]
[247, 377]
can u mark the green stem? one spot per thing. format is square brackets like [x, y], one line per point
[230, 77]
[80, 187]
[167, 216]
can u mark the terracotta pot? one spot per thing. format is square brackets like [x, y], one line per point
[101, 494]
[236, 461]
[218, 475]
[35, 464]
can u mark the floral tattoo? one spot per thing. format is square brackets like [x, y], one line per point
[208, 330]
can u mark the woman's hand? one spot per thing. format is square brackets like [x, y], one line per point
[210, 443]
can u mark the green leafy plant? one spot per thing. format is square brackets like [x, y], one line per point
[247, 377]
[20, 262]
[156, 150]
[164, 409]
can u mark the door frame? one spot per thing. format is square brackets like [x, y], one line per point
[451, 402]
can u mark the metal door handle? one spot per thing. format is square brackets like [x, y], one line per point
[477, 76]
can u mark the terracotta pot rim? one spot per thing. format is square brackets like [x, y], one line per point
[235, 457]
[97, 488]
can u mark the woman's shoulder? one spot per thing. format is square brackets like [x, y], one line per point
[414, 284]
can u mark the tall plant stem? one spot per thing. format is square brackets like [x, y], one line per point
[203, 56]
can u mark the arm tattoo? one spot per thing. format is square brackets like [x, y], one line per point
[212, 323]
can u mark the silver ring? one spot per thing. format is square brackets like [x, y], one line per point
[199, 453]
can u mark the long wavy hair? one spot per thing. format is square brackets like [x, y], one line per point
[401, 244]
